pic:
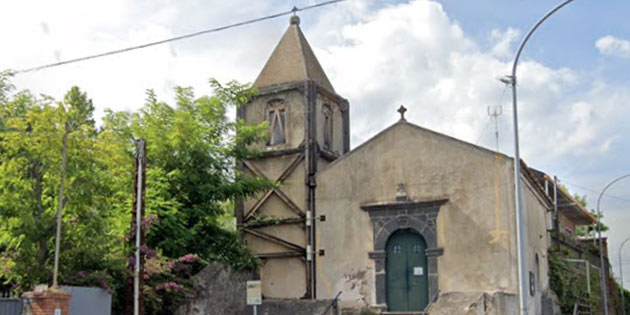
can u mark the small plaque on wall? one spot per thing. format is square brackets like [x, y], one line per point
[418, 271]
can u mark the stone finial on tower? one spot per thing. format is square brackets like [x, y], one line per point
[294, 20]
[402, 111]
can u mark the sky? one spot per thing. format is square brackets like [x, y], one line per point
[439, 58]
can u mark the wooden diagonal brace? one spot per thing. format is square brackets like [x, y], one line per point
[275, 239]
[255, 225]
[279, 255]
[278, 192]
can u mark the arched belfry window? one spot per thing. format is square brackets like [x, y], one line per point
[277, 116]
[328, 126]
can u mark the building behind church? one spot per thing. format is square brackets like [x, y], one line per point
[408, 218]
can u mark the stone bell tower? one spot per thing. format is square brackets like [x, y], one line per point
[308, 128]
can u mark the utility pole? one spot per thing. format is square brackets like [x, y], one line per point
[60, 203]
[521, 228]
[138, 214]
[556, 217]
[603, 267]
[621, 289]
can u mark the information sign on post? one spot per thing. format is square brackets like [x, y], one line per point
[254, 294]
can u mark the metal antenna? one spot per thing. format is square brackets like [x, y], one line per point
[495, 113]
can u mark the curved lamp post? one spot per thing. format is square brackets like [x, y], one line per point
[602, 268]
[521, 235]
[623, 295]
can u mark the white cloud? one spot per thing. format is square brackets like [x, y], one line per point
[415, 54]
[377, 55]
[613, 46]
[502, 42]
[72, 28]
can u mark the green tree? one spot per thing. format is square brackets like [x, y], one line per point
[591, 229]
[586, 231]
[192, 149]
[30, 154]
[191, 185]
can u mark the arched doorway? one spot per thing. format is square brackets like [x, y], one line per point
[406, 270]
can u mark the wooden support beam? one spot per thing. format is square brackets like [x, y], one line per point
[274, 239]
[257, 205]
[291, 168]
[278, 153]
[327, 155]
[278, 192]
[288, 221]
[279, 255]
[290, 203]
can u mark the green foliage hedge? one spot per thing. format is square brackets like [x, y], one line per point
[568, 280]
[191, 183]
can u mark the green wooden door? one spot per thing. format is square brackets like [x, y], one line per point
[407, 276]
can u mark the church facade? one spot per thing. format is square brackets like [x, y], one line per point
[409, 220]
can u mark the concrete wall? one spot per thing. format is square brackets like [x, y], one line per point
[476, 304]
[218, 290]
[475, 227]
[89, 300]
[538, 241]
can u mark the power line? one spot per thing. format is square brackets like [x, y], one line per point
[213, 30]
[595, 191]
[483, 131]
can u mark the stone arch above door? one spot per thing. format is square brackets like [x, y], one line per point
[388, 218]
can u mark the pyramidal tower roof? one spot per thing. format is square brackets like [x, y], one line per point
[292, 61]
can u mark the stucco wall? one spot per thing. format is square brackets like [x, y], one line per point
[538, 242]
[283, 277]
[475, 227]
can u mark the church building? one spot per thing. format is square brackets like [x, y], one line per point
[408, 221]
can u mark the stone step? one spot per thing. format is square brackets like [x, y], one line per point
[294, 307]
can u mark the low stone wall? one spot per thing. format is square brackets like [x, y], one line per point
[293, 307]
[218, 290]
[475, 303]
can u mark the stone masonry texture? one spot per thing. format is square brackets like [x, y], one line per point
[45, 302]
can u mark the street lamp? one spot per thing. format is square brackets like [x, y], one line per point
[521, 235]
[623, 295]
[602, 269]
